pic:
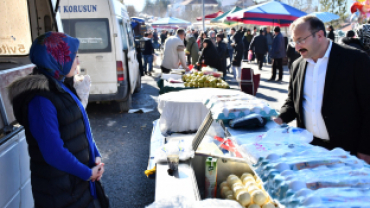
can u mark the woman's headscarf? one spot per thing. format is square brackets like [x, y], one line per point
[210, 55]
[53, 53]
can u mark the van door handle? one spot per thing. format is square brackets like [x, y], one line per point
[99, 56]
[129, 59]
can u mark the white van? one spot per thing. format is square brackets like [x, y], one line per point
[107, 52]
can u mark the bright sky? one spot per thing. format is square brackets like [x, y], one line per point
[139, 4]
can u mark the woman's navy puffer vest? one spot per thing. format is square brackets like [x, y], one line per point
[51, 187]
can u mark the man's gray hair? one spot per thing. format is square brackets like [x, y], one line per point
[315, 23]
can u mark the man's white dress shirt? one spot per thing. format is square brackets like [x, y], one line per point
[313, 93]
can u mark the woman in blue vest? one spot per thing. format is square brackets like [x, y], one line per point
[65, 163]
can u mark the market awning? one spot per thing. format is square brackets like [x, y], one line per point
[325, 16]
[171, 21]
[211, 16]
[269, 13]
[222, 19]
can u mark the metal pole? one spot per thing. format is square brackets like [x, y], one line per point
[204, 27]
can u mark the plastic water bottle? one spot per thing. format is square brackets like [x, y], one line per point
[211, 178]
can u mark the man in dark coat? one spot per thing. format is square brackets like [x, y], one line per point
[260, 48]
[163, 37]
[278, 52]
[230, 48]
[222, 52]
[328, 92]
[292, 55]
[239, 35]
[352, 41]
[195, 33]
[331, 35]
[148, 53]
[237, 59]
[139, 57]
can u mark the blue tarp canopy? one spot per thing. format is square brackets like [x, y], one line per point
[269, 13]
[135, 21]
[171, 21]
[325, 16]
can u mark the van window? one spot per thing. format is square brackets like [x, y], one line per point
[15, 29]
[130, 36]
[93, 34]
[123, 35]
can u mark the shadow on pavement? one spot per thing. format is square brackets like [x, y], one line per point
[273, 88]
[265, 97]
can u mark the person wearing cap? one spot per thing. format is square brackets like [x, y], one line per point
[65, 163]
[328, 92]
[192, 50]
[222, 52]
[278, 52]
[259, 47]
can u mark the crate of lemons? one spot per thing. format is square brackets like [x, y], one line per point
[199, 80]
[247, 190]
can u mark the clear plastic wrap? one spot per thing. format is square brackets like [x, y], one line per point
[236, 106]
[330, 197]
[258, 151]
[185, 150]
[285, 186]
[282, 135]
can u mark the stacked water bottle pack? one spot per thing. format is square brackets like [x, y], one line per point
[316, 178]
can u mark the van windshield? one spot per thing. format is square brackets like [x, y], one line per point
[15, 30]
[93, 34]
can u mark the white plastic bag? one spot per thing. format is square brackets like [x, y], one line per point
[82, 85]
[183, 202]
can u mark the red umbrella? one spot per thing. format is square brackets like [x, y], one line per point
[211, 16]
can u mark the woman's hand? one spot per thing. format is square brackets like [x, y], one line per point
[97, 172]
[97, 160]
[198, 64]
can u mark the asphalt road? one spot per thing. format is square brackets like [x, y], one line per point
[124, 139]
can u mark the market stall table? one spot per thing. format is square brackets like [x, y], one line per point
[192, 171]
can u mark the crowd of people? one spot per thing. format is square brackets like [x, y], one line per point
[214, 47]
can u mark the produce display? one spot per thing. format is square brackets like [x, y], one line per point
[200, 80]
[247, 190]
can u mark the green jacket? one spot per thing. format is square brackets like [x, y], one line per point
[192, 47]
[249, 37]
